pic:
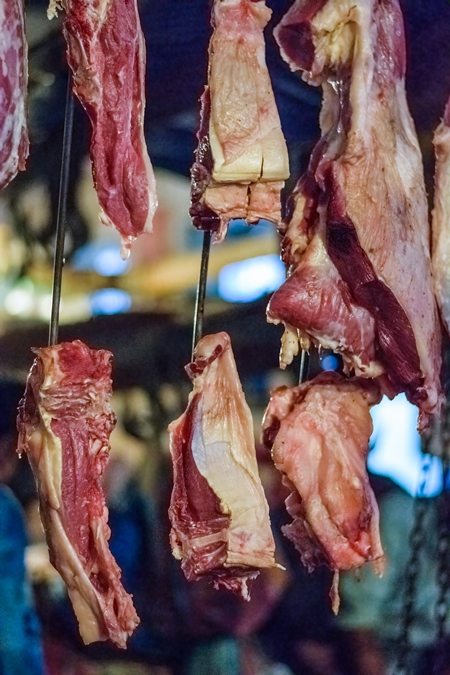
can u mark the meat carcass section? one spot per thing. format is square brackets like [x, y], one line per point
[13, 90]
[218, 510]
[241, 159]
[319, 433]
[64, 424]
[441, 218]
[106, 53]
[358, 222]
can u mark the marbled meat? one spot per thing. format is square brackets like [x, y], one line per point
[358, 228]
[64, 424]
[13, 90]
[218, 510]
[241, 160]
[106, 53]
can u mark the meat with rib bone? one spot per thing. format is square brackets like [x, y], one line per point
[218, 510]
[363, 195]
[106, 53]
[13, 90]
[241, 158]
[64, 424]
[319, 434]
[441, 218]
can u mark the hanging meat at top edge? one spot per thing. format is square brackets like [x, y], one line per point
[218, 510]
[441, 218]
[64, 424]
[319, 433]
[106, 53]
[241, 158]
[363, 192]
[14, 143]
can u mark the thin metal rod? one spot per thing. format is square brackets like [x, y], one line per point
[201, 290]
[61, 215]
[304, 367]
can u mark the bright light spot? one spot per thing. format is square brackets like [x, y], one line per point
[44, 306]
[110, 301]
[103, 257]
[396, 449]
[248, 280]
[330, 362]
[20, 299]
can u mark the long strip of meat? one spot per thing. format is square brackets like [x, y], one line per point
[241, 159]
[362, 203]
[13, 90]
[64, 424]
[441, 218]
[319, 434]
[106, 53]
[218, 510]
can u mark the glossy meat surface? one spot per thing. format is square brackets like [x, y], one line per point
[106, 53]
[241, 159]
[64, 424]
[319, 434]
[13, 90]
[363, 192]
[219, 513]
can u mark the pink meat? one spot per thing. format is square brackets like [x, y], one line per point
[106, 53]
[64, 424]
[241, 159]
[219, 514]
[319, 434]
[363, 192]
[13, 91]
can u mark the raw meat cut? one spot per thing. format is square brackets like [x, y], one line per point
[241, 159]
[64, 424]
[441, 218]
[218, 510]
[319, 434]
[13, 90]
[363, 197]
[106, 53]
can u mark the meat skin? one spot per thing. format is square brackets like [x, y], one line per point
[106, 53]
[318, 433]
[64, 424]
[363, 194]
[241, 159]
[218, 510]
[14, 144]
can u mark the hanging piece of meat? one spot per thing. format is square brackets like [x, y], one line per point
[441, 218]
[241, 159]
[319, 433]
[357, 237]
[218, 510]
[106, 53]
[64, 424]
[13, 90]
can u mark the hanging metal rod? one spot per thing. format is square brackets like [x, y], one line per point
[304, 366]
[61, 215]
[201, 290]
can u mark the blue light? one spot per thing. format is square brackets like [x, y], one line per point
[396, 450]
[109, 301]
[330, 362]
[248, 280]
[103, 257]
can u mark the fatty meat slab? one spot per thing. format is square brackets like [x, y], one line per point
[14, 143]
[241, 159]
[361, 202]
[218, 510]
[106, 53]
[319, 433]
[64, 424]
[441, 218]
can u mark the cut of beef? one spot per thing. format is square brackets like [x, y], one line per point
[13, 90]
[64, 424]
[363, 195]
[106, 53]
[219, 513]
[241, 159]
